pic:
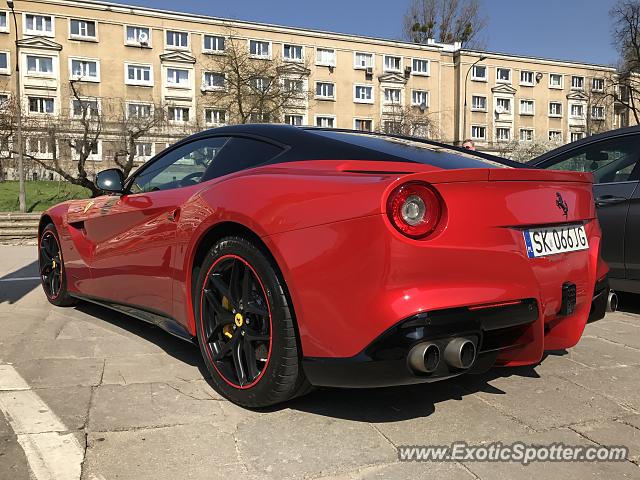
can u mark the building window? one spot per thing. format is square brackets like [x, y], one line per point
[420, 97]
[526, 77]
[391, 95]
[479, 102]
[363, 124]
[526, 134]
[295, 120]
[139, 110]
[325, 90]
[363, 60]
[86, 70]
[478, 132]
[213, 43]
[293, 86]
[139, 36]
[38, 25]
[293, 53]
[326, 56]
[259, 49]
[144, 151]
[503, 75]
[420, 66]
[95, 153]
[177, 39]
[84, 108]
[215, 116]
[597, 84]
[260, 84]
[325, 121]
[577, 110]
[479, 72]
[527, 107]
[575, 136]
[178, 77]
[392, 64]
[41, 105]
[555, 135]
[139, 75]
[4, 62]
[82, 29]
[503, 134]
[503, 105]
[577, 83]
[40, 146]
[4, 100]
[39, 65]
[597, 112]
[4, 27]
[213, 81]
[178, 114]
[555, 80]
[363, 94]
[555, 109]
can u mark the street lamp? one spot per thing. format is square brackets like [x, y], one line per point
[466, 79]
[22, 196]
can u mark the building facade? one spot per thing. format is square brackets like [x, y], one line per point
[125, 61]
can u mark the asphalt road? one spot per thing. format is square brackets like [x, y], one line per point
[88, 393]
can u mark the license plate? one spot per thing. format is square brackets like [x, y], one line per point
[541, 242]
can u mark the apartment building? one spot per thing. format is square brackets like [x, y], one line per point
[145, 57]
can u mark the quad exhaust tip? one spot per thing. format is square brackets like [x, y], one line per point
[612, 301]
[460, 353]
[425, 357]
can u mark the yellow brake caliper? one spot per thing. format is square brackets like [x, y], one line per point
[227, 330]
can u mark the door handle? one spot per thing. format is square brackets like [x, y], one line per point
[609, 200]
[173, 215]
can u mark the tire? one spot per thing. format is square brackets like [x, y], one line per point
[245, 326]
[52, 273]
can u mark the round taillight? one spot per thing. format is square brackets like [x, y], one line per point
[414, 209]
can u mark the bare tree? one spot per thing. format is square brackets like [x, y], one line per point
[446, 21]
[133, 123]
[79, 136]
[410, 121]
[7, 128]
[523, 151]
[626, 37]
[250, 89]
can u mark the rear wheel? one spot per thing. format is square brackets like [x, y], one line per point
[52, 274]
[245, 326]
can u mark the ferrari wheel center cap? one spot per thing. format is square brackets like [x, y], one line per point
[53, 264]
[239, 320]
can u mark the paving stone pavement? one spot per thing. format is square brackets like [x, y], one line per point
[139, 401]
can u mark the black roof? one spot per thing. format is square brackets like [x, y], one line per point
[620, 132]
[310, 143]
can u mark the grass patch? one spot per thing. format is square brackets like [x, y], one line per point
[40, 195]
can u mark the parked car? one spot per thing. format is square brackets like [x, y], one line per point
[612, 158]
[296, 257]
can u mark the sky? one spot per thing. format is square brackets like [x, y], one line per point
[577, 30]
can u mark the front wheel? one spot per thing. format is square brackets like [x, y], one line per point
[245, 326]
[52, 273]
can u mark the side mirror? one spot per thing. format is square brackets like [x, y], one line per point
[111, 180]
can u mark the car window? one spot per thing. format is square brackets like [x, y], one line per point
[610, 161]
[181, 167]
[240, 153]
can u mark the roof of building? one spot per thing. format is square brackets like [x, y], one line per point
[435, 46]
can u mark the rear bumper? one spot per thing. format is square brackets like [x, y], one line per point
[384, 362]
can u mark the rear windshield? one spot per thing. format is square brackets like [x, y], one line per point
[413, 150]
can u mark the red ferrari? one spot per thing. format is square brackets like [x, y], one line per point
[297, 257]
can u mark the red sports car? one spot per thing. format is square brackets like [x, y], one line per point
[297, 257]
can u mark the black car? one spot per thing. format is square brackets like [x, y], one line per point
[612, 157]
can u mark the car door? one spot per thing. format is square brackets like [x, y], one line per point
[632, 240]
[134, 237]
[612, 162]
